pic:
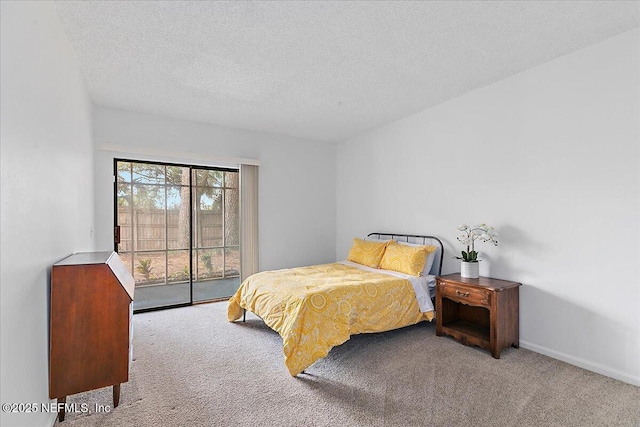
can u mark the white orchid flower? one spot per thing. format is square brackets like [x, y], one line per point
[470, 234]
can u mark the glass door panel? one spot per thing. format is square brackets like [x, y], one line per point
[152, 208]
[216, 234]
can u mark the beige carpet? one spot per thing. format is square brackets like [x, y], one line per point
[193, 368]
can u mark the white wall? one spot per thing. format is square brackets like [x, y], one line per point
[47, 194]
[550, 157]
[297, 179]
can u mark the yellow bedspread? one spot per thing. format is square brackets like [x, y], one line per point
[318, 307]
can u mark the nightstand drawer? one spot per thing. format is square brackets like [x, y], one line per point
[462, 294]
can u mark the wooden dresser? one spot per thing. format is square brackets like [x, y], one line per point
[482, 312]
[90, 325]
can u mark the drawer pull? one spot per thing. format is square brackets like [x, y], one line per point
[462, 294]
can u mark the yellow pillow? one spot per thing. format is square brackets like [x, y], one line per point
[405, 259]
[367, 253]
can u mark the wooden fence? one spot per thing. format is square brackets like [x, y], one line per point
[148, 229]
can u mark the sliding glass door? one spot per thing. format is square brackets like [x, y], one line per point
[177, 231]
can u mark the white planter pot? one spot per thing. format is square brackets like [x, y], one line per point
[470, 270]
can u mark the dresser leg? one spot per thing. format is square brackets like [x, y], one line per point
[496, 353]
[61, 402]
[116, 395]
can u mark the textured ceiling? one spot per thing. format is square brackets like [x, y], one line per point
[319, 70]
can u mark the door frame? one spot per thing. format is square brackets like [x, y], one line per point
[191, 214]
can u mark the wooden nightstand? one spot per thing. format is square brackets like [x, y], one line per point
[482, 312]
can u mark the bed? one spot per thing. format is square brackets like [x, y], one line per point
[318, 307]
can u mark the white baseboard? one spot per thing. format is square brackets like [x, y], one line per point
[52, 419]
[581, 363]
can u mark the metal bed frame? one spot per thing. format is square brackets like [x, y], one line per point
[436, 269]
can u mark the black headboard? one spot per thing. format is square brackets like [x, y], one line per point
[436, 269]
